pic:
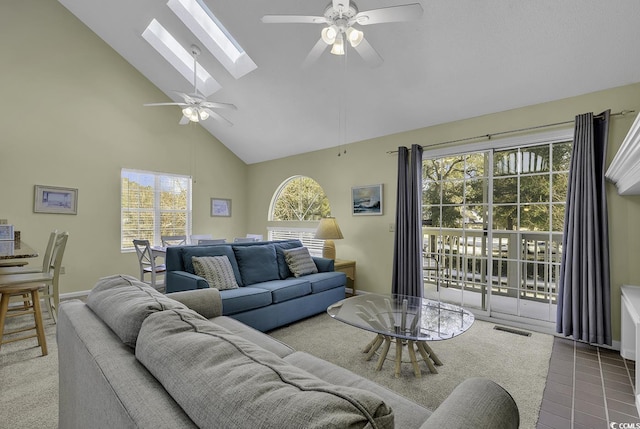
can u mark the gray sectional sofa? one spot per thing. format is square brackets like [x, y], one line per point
[131, 357]
[269, 295]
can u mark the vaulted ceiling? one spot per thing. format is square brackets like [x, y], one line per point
[461, 59]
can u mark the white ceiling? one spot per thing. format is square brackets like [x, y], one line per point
[463, 58]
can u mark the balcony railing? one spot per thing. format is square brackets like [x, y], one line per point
[523, 263]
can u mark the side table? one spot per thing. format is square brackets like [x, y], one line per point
[349, 268]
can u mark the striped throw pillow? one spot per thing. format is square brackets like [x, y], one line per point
[299, 261]
[216, 270]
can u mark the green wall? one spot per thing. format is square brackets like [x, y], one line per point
[71, 115]
[368, 239]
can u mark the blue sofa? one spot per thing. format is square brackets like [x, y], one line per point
[269, 296]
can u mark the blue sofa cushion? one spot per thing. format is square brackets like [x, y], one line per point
[244, 299]
[190, 251]
[283, 267]
[284, 290]
[325, 281]
[257, 264]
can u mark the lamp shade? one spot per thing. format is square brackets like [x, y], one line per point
[328, 230]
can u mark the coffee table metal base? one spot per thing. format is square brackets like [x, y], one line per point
[429, 357]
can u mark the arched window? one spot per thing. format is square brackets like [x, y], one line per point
[296, 208]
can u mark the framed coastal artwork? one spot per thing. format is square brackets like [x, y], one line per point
[220, 207]
[366, 200]
[53, 199]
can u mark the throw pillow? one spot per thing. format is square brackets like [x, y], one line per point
[216, 270]
[299, 261]
[257, 263]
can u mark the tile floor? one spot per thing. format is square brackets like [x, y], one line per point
[588, 387]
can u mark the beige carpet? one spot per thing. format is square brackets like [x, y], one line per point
[29, 381]
[518, 363]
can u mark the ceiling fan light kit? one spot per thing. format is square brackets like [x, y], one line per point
[196, 107]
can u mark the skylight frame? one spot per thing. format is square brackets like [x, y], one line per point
[182, 60]
[213, 35]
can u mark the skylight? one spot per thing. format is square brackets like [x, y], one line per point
[205, 26]
[179, 58]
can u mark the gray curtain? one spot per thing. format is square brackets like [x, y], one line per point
[407, 254]
[584, 298]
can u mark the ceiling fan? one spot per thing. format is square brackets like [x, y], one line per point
[340, 16]
[196, 107]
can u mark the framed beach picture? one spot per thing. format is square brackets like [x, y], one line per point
[366, 200]
[53, 199]
[220, 207]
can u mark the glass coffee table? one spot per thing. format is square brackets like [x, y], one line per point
[405, 320]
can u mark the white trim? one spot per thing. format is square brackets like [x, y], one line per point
[624, 170]
[73, 295]
[556, 136]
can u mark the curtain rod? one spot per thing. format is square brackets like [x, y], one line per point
[490, 136]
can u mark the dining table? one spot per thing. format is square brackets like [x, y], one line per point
[12, 249]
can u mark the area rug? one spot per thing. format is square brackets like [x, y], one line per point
[518, 363]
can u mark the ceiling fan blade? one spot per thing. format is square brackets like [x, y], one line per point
[293, 19]
[213, 104]
[184, 120]
[401, 13]
[368, 54]
[164, 104]
[315, 53]
[218, 117]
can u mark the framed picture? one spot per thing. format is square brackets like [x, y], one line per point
[220, 207]
[53, 199]
[366, 200]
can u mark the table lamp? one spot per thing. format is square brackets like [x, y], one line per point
[328, 230]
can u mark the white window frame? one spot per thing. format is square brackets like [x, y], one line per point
[156, 210]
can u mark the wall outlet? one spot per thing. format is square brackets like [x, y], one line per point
[62, 270]
[392, 227]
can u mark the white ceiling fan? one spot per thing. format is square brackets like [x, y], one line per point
[196, 107]
[340, 16]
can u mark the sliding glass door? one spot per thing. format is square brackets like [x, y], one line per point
[492, 225]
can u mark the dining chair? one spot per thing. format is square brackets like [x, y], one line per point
[46, 260]
[243, 240]
[173, 240]
[213, 241]
[147, 262]
[49, 280]
[195, 238]
[32, 306]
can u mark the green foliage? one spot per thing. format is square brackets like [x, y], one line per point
[529, 187]
[301, 199]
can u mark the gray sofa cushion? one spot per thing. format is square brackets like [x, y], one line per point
[260, 389]
[189, 252]
[123, 302]
[257, 263]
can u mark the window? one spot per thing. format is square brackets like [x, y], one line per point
[297, 206]
[152, 205]
[494, 219]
